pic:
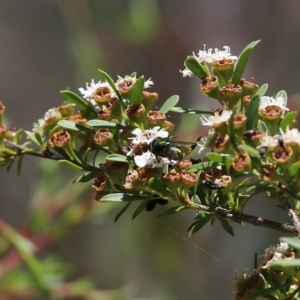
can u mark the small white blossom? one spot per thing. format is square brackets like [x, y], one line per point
[217, 119]
[92, 87]
[149, 159]
[291, 136]
[268, 101]
[148, 135]
[210, 57]
[272, 254]
[280, 248]
[269, 141]
[220, 55]
[147, 84]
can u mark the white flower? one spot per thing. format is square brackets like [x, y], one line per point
[272, 254]
[217, 119]
[220, 55]
[149, 159]
[92, 87]
[291, 136]
[268, 141]
[132, 79]
[148, 135]
[268, 101]
[280, 248]
[209, 57]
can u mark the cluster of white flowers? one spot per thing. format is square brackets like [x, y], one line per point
[210, 57]
[268, 101]
[92, 87]
[289, 137]
[147, 158]
[148, 83]
[216, 119]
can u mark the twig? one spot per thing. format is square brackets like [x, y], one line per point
[256, 221]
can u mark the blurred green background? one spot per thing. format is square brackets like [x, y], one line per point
[47, 46]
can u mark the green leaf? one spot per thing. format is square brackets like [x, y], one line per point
[262, 90]
[231, 131]
[292, 241]
[198, 69]
[120, 213]
[117, 157]
[250, 150]
[293, 170]
[262, 127]
[34, 137]
[218, 158]
[190, 111]
[71, 97]
[202, 166]
[282, 94]
[70, 164]
[86, 177]
[137, 90]
[227, 227]
[288, 119]
[286, 263]
[140, 209]
[120, 197]
[202, 219]
[104, 124]
[241, 63]
[169, 104]
[68, 124]
[174, 210]
[112, 84]
[252, 112]
[19, 166]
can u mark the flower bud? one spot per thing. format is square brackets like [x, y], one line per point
[249, 88]
[241, 162]
[136, 112]
[223, 69]
[232, 94]
[59, 139]
[103, 137]
[148, 99]
[67, 109]
[168, 126]
[188, 180]
[210, 87]
[222, 144]
[156, 118]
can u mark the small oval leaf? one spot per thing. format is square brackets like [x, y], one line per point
[120, 197]
[112, 84]
[137, 90]
[117, 157]
[71, 97]
[252, 112]
[169, 104]
[193, 65]
[190, 111]
[68, 124]
[288, 119]
[104, 124]
[241, 62]
[202, 166]
[70, 164]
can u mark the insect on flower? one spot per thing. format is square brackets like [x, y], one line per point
[165, 148]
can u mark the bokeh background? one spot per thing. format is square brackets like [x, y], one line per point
[47, 46]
